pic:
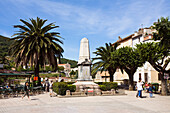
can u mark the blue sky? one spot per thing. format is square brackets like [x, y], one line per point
[101, 21]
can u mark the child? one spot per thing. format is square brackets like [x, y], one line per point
[150, 90]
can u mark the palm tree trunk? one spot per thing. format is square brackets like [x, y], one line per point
[36, 72]
[163, 84]
[111, 73]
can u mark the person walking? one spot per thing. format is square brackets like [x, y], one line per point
[139, 88]
[47, 85]
[26, 90]
[51, 88]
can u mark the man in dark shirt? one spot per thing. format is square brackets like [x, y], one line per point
[26, 90]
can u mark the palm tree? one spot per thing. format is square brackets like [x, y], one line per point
[105, 61]
[35, 44]
[3, 59]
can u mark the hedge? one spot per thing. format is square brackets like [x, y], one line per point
[105, 86]
[72, 88]
[61, 87]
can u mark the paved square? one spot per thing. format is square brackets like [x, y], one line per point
[93, 104]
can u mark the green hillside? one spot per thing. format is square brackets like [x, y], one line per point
[4, 45]
[6, 42]
[73, 63]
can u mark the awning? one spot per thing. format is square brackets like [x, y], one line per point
[14, 75]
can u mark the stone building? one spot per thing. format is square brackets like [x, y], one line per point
[67, 68]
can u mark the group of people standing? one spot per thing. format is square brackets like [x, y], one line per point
[47, 87]
[148, 88]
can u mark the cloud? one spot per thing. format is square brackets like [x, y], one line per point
[98, 21]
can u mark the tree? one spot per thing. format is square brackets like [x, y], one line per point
[163, 31]
[34, 44]
[104, 60]
[129, 59]
[3, 59]
[157, 56]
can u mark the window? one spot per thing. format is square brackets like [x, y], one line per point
[140, 76]
[146, 77]
[159, 76]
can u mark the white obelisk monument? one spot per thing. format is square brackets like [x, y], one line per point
[85, 81]
[84, 63]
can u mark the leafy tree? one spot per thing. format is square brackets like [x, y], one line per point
[104, 60]
[72, 72]
[34, 44]
[157, 56]
[163, 31]
[129, 60]
[73, 63]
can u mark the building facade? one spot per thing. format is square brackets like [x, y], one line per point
[67, 68]
[147, 73]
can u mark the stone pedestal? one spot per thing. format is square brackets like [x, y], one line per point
[87, 87]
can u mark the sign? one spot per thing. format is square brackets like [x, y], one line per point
[35, 78]
[90, 90]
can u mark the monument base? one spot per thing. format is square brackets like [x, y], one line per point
[87, 87]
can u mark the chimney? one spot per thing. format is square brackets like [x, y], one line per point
[136, 33]
[119, 38]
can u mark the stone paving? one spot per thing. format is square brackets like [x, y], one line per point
[93, 104]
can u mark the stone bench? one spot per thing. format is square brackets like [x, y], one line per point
[121, 91]
[104, 93]
[112, 92]
[76, 93]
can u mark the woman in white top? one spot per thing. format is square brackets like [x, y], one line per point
[139, 88]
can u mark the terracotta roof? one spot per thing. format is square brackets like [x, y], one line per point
[61, 64]
[124, 39]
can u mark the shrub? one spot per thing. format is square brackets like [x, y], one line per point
[103, 87]
[72, 88]
[60, 88]
[110, 85]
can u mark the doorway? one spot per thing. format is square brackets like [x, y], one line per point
[146, 77]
